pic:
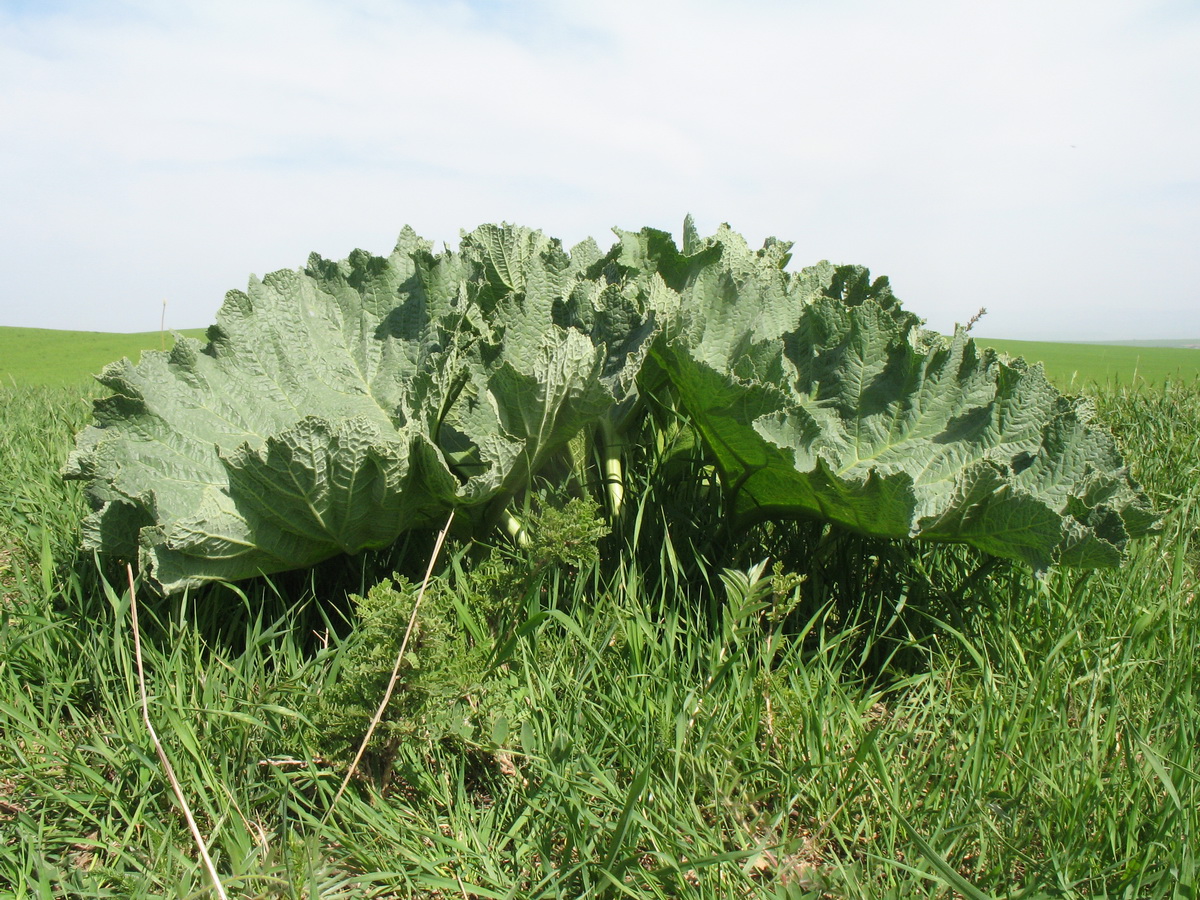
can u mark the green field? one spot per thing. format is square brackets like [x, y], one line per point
[1180, 343]
[39, 356]
[49, 357]
[1074, 367]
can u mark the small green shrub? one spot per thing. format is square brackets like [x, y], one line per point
[456, 685]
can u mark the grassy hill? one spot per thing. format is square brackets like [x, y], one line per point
[52, 358]
[1188, 343]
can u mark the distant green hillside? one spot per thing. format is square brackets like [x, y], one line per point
[1075, 366]
[1190, 343]
[46, 356]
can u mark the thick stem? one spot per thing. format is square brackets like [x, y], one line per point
[515, 529]
[613, 472]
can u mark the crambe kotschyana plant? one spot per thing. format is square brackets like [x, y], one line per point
[338, 406]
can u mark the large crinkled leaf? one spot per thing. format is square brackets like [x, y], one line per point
[299, 432]
[338, 406]
[817, 395]
[562, 350]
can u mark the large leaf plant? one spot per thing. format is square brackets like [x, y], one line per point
[335, 407]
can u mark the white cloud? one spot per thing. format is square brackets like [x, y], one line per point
[1037, 159]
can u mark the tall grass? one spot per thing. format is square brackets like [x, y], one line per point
[675, 718]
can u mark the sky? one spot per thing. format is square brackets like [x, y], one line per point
[1037, 159]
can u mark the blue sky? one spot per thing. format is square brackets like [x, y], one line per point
[1038, 159]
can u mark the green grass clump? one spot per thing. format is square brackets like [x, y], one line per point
[39, 513]
[666, 710]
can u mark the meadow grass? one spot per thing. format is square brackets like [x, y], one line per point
[1081, 367]
[661, 715]
[53, 358]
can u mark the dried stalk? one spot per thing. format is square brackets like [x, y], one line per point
[387, 695]
[158, 747]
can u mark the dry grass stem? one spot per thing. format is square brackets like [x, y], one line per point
[387, 694]
[201, 845]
